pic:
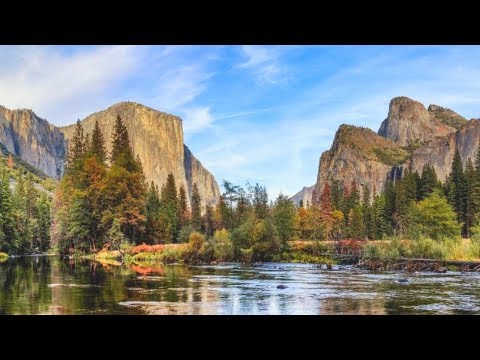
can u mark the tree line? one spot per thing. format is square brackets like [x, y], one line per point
[24, 212]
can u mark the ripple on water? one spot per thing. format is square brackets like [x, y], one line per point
[74, 285]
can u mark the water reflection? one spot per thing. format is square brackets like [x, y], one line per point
[48, 285]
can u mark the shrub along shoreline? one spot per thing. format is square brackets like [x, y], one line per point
[392, 253]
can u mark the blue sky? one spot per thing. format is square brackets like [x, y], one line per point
[251, 113]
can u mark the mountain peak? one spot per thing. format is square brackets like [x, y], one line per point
[409, 124]
[447, 116]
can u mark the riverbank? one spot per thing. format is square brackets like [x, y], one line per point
[390, 254]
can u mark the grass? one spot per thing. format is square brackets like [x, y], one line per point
[424, 248]
[168, 253]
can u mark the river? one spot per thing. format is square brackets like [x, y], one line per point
[48, 285]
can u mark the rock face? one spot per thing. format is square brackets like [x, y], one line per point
[410, 137]
[440, 151]
[305, 195]
[157, 138]
[410, 124]
[33, 139]
[358, 155]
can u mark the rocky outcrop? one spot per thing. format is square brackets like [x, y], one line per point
[440, 151]
[196, 173]
[358, 155]
[410, 124]
[33, 139]
[157, 139]
[410, 137]
[447, 116]
[305, 195]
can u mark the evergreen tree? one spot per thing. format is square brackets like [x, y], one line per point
[381, 219]
[472, 201]
[152, 223]
[369, 224]
[97, 146]
[196, 208]
[208, 221]
[243, 208]
[8, 234]
[76, 149]
[182, 209]
[410, 185]
[336, 195]
[300, 203]
[456, 188]
[477, 162]
[169, 200]
[356, 228]
[401, 207]
[284, 218]
[428, 181]
[259, 201]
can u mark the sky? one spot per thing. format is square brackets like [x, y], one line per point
[250, 113]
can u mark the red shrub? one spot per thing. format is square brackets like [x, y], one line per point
[146, 248]
[350, 246]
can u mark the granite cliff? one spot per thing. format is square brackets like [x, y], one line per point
[156, 137]
[33, 139]
[305, 195]
[410, 137]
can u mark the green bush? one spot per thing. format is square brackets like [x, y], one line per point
[184, 234]
[222, 245]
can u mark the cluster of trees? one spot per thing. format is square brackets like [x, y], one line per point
[416, 204]
[101, 199]
[24, 212]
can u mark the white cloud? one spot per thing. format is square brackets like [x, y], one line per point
[46, 79]
[62, 84]
[196, 119]
[264, 63]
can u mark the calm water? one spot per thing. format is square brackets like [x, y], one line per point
[47, 285]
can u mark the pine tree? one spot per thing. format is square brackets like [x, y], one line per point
[169, 201]
[356, 228]
[477, 162]
[182, 209]
[428, 181]
[369, 225]
[97, 146]
[457, 189]
[284, 218]
[8, 235]
[259, 201]
[300, 203]
[196, 208]
[472, 201]
[410, 184]
[76, 149]
[326, 208]
[401, 207]
[336, 195]
[152, 208]
[381, 219]
[122, 152]
[208, 221]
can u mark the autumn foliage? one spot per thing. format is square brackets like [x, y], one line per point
[147, 248]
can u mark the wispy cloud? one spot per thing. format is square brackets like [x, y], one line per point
[46, 78]
[264, 63]
[196, 119]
